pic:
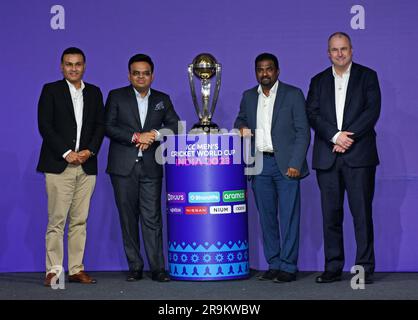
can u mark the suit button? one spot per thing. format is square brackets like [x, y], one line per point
[73, 140]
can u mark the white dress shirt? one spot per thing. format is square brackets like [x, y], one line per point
[78, 105]
[341, 84]
[265, 108]
[143, 109]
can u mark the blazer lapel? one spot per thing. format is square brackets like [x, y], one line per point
[330, 83]
[352, 81]
[277, 103]
[67, 98]
[86, 104]
[133, 104]
[151, 106]
[253, 102]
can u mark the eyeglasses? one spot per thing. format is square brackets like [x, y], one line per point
[141, 73]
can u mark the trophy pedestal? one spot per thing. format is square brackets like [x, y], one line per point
[207, 220]
[211, 128]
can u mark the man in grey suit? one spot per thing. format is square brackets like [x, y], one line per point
[273, 113]
[134, 119]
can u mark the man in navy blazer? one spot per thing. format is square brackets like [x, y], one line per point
[135, 119]
[274, 114]
[343, 106]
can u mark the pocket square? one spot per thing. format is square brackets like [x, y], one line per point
[159, 106]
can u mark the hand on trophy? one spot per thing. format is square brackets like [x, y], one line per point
[245, 132]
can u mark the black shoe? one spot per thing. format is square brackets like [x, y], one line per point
[368, 278]
[134, 276]
[284, 276]
[270, 274]
[160, 276]
[328, 276]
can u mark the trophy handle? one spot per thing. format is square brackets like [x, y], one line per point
[205, 101]
[217, 89]
[193, 91]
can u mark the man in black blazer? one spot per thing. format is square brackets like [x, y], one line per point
[343, 106]
[70, 119]
[135, 119]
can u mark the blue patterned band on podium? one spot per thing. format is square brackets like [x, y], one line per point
[208, 261]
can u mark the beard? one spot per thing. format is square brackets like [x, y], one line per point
[267, 82]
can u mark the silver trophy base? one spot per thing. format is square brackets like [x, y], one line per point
[199, 128]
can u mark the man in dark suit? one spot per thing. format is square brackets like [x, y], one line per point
[70, 118]
[275, 112]
[135, 118]
[343, 106]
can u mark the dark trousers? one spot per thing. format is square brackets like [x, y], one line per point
[276, 195]
[359, 184]
[138, 199]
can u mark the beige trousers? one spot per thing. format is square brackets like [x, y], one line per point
[69, 195]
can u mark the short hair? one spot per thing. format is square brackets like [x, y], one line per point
[340, 34]
[267, 56]
[72, 50]
[141, 58]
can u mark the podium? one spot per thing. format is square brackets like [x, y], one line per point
[206, 202]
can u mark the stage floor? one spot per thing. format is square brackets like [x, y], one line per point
[112, 286]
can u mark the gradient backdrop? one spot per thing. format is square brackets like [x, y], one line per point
[173, 33]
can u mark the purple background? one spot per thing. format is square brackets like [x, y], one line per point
[173, 33]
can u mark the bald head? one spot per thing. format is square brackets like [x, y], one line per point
[339, 34]
[340, 51]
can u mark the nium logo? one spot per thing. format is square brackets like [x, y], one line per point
[176, 197]
[233, 196]
[240, 208]
[204, 197]
[175, 210]
[220, 209]
[196, 210]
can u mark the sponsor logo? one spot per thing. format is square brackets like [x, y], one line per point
[197, 210]
[176, 197]
[240, 208]
[220, 209]
[233, 196]
[175, 210]
[204, 197]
